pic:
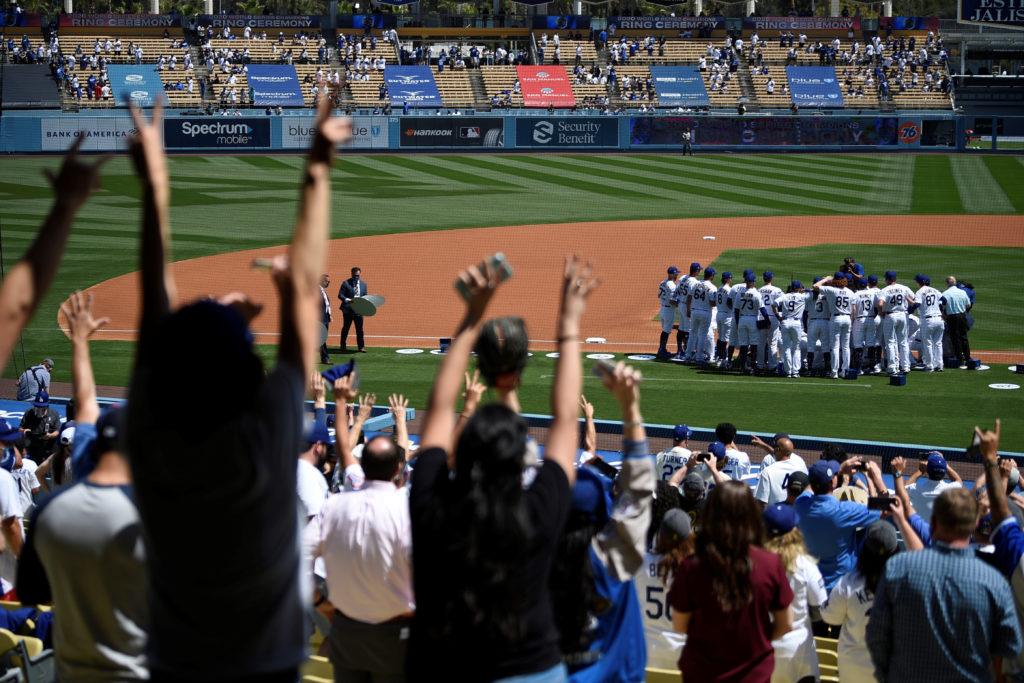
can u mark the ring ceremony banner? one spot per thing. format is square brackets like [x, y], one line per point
[544, 86]
[815, 86]
[680, 86]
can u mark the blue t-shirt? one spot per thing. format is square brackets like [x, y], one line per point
[829, 528]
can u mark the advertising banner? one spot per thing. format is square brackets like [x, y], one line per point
[103, 134]
[567, 131]
[260, 20]
[120, 20]
[909, 133]
[785, 131]
[815, 86]
[909, 23]
[368, 132]
[570, 22]
[412, 84]
[139, 82]
[275, 84]
[1005, 13]
[372, 20]
[544, 86]
[680, 86]
[801, 23]
[223, 132]
[669, 23]
[452, 131]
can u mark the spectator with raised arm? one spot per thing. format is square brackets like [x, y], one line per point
[26, 284]
[482, 543]
[247, 444]
[923, 493]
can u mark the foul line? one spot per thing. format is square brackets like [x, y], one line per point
[716, 380]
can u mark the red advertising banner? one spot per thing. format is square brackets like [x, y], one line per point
[544, 86]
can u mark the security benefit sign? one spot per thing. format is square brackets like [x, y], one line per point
[815, 86]
[275, 84]
[545, 86]
[139, 83]
[567, 131]
[452, 131]
[224, 132]
[414, 85]
[1006, 13]
[680, 86]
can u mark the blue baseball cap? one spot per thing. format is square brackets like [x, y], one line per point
[681, 432]
[936, 464]
[821, 472]
[727, 275]
[694, 266]
[673, 270]
[818, 279]
[862, 282]
[592, 494]
[922, 279]
[717, 448]
[7, 432]
[779, 519]
[796, 284]
[768, 275]
[872, 279]
[317, 431]
[890, 275]
[709, 271]
[749, 277]
[839, 275]
[42, 399]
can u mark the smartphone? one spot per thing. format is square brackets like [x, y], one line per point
[703, 456]
[602, 369]
[879, 502]
[604, 468]
[974, 450]
[499, 264]
[863, 467]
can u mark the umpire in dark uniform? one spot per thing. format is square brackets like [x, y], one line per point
[350, 289]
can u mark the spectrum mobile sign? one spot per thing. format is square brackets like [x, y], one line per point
[216, 133]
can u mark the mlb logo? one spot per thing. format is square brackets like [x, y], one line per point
[469, 132]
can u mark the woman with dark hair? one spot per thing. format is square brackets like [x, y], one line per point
[731, 598]
[483, 538]
[851, 599]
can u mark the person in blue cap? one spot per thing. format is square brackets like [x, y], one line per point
[818, 315]
[789, 313]
[686, 285]
[873, 337]
[724, 320]
[747, 303]
[894, 301]
[700, 307]
[667, 462]
[840, 302]
[863, 324]
[770, 334]
[929, 311]
[670, 313]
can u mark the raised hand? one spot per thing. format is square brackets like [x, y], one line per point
[78, 310]
[577, 284]
[331, 131]
[473, 393]
[76, 180]
[481, 285]
[989, 443]
[343, 390]
[147, 150]
[587, 407]
[623, 383]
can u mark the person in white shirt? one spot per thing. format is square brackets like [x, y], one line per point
[738, 466]
[773, 481]
[795, 656]
[924, 492]
[840, 301]
[932, 324]
[671, 459]
[789, 312]
[311, 484]
[673, 542]
[893, 303]
[700, 305]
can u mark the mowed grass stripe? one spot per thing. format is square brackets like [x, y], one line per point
[433, 168]
[778, 168]
[267, 163]
[931, 188]
[716, 187]
[979, 191]
[1007, 174]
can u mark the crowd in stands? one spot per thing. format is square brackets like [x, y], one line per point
[470, 554]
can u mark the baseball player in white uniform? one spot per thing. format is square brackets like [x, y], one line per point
[747, 303]
[670, 460]
[818, 316]
[669, 310]
[789, 312]
[840, 301]
[863, 321]
[770, 337]
[873, 337]
[893, 303]
[932, 325]
[700, 306]
[724, 320]
[683, 292]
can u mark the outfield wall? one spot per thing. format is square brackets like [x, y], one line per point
[53, 131]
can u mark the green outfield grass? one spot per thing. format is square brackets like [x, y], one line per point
[227, 203]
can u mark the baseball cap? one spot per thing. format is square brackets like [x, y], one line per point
[673, 270]
[694, 266]
[68, 436]
[316, 431]
[592, 494]
[42, 399]
[821, 472]
[880, 539]
[862, 281]
[890, 275]
[872, 279]
[7, 432]
[675, 525]
[796, 284]
[1012, 481]
[727, 275]
[48, 362]
[768, 275]
[709, 271]
[779, 519]
[681, 432]
[749, 277]
[7, 460]
[922, 279]
[839, 275]
[936, 464]
[798, 482]
[717, 448]
[693, 486]
[818, 279]
[109, 430]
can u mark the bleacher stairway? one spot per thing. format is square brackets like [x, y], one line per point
[479, 90]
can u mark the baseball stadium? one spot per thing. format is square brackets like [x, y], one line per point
[704, 146]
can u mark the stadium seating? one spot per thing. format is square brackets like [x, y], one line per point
[181, 98]
[455, 87]
[499, 80]
[780, 99]
[366, 94]
[641, 72]
[152, 47]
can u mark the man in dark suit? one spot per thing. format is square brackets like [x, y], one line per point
[350, 289]
[325, 316]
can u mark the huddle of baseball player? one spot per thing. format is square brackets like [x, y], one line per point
[846, 318]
